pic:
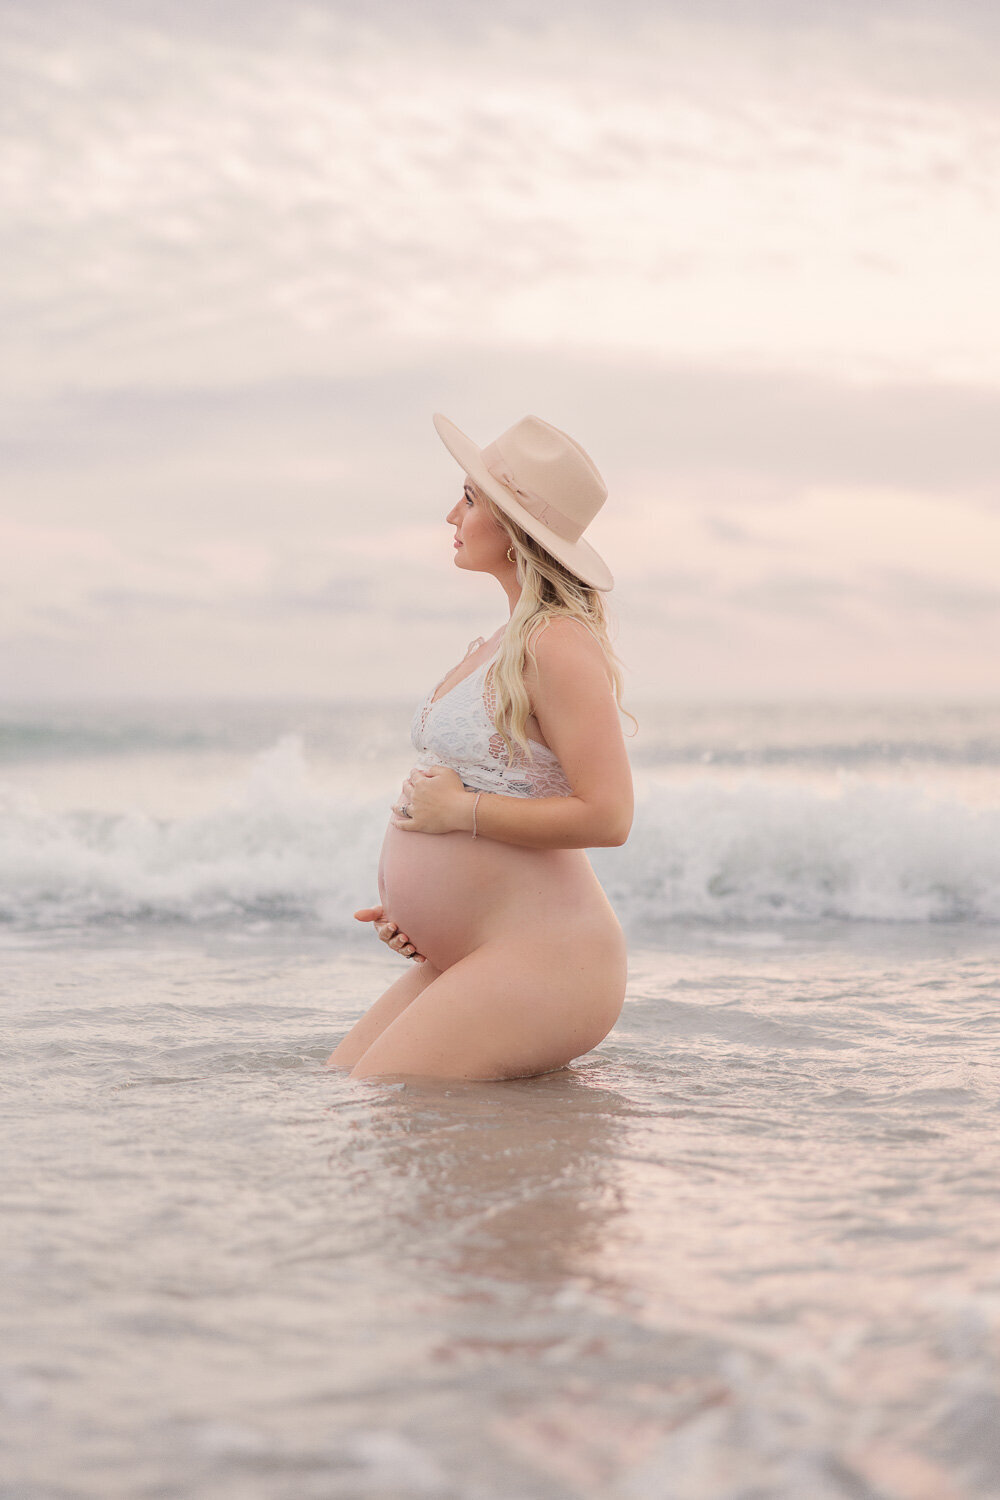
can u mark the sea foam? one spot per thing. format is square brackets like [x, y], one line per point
[279, 848]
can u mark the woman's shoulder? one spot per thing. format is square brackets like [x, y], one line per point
[562, 644]
[565, 634]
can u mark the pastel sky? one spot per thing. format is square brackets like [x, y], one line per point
[745, 253]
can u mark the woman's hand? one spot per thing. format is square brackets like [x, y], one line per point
[436, 801]
[389, 932]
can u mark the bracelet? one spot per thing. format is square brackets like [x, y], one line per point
[475, 808]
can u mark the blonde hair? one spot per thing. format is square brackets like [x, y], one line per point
[549, 591]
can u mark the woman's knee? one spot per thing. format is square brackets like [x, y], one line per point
[496, 1014]
[381, 1015]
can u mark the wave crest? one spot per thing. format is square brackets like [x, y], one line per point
[279, 849]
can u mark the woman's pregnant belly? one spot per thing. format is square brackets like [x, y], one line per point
[450, 893]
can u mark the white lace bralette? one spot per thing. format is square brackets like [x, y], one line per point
[458, 731]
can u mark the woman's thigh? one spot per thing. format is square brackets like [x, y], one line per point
[382, 1014]
[507, 1010]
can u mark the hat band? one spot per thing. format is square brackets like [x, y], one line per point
[555, 520]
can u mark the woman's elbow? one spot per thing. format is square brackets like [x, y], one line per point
[614, 828]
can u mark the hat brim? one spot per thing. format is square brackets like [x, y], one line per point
[579, 557]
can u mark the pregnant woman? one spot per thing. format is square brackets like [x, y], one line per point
[520, 961]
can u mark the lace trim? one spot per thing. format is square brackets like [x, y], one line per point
[459, 730]
[429, 702]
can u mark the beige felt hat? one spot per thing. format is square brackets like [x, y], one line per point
[545, 482]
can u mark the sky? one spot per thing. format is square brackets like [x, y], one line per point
[745, 253]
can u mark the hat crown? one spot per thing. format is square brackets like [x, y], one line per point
[542, 479]
[549, 463]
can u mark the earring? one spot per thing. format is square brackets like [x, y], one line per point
[510, 555]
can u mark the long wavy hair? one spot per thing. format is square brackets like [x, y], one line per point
[549, 591]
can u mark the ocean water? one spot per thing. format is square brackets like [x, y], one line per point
[747, 1248]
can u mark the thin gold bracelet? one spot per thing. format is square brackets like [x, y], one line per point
[475, 809]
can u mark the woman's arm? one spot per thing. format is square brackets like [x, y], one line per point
[574, 703]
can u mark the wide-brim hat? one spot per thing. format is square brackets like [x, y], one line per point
[542, 479]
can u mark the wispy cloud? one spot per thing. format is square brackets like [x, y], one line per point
[703, 433]
[746, 254]
[294, 189]
[955, 598]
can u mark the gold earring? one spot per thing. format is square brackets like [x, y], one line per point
[510, 555]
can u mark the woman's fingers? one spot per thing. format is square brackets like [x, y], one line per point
[389, 933]
[402, 945]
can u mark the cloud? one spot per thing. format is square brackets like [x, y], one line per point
[796, 594]
[302, 189]
[958, 598]
[349, 448]
[729, 532]
[250, 247]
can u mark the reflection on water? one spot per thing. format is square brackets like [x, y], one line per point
[748, 1247]
[516, 1180]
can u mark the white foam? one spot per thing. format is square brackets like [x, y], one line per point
[757, 851]
[278, 847]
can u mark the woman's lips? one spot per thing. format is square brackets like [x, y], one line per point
[457, 543]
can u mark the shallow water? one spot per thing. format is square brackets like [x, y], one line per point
[747, 1248]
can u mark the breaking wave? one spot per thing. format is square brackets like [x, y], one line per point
[277, 849]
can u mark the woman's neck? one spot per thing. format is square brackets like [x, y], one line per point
[513, 592]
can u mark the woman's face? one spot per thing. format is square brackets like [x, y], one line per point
[480, 542]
